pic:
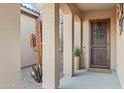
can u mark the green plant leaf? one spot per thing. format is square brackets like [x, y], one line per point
[77, 52]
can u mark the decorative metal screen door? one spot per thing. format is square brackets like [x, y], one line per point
[99, 44]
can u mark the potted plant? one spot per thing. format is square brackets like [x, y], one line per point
[77, 59]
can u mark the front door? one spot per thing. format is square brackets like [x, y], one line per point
[99, 44]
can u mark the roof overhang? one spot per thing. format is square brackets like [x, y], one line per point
[95, 6]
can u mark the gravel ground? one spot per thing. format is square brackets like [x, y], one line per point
[29, 83]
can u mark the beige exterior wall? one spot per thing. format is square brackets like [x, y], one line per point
[28, 26]
[120, 55]
[103, 14]
[77, 35]
[10, 48]
[68, 45]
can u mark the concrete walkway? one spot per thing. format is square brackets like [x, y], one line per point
[91, 80]
[82, 80]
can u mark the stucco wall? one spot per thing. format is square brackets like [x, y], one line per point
[77, 35]
[103, 14]
[10, 48]
[28, 26]
[120, 55]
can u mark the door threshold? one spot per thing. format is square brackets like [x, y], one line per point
[99, 70]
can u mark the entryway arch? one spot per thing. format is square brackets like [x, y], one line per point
[66, 29]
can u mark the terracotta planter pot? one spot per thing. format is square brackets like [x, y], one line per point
[76, 63]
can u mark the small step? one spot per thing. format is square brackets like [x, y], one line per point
[100, 70]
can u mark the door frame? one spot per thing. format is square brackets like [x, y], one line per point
[108, 43]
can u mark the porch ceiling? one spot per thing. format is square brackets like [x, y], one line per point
[95, 6]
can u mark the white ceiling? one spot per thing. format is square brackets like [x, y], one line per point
[95, 6]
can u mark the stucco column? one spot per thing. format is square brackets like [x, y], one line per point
[68, 28]
[50, 18]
